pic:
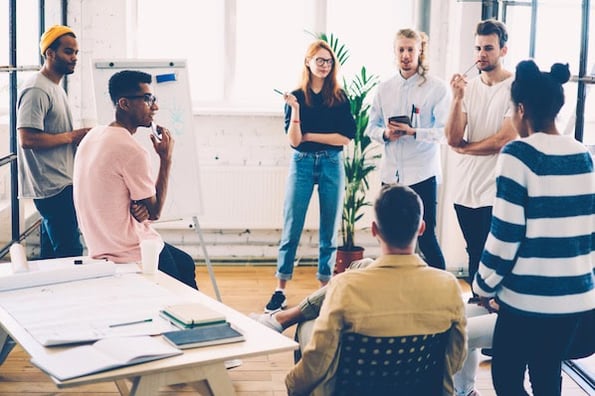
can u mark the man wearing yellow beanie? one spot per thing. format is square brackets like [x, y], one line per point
[47, 144]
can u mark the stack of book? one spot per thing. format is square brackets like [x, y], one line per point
[199, 326]
[190, 315]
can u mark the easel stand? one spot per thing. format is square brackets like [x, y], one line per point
[206, 255]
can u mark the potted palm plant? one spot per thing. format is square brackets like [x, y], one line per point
[359, 160]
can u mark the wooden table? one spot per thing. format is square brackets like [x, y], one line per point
[202, 366]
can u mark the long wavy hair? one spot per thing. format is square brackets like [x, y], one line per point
[422, 39]
[332, 92]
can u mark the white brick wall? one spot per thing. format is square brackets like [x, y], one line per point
[226, 140]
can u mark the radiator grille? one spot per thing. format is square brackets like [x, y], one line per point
[247, 197]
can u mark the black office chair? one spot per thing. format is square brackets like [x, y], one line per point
[401, 366]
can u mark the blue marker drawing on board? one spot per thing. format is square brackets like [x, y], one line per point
[160, 78]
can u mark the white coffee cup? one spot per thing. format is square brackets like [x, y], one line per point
[149, 252]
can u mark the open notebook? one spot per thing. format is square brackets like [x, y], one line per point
[105, 354]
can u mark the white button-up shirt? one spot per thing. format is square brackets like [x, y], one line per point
[410, 160]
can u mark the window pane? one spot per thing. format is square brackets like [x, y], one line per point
[182, 29]
[53, 13]
[27, 32]
[369, 32]
[548, 46]
[3, 75]
[269, 50]
[519, 31]
[549, 49]
[589, 131]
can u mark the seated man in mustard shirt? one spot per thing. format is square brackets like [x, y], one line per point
[408, 297]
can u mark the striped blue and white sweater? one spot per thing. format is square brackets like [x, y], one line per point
[539, 255]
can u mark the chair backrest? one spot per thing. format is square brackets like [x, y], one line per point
[406, 365]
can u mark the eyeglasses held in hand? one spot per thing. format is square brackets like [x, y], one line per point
[322, 61]
[149, 99]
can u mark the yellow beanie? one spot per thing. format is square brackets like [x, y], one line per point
[51, 35]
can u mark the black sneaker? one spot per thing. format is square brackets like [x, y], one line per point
[487, 352]
[276, 303]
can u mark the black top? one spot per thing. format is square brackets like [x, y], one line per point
[320, 118]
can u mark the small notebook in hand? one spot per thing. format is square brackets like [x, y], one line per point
[221, 333]
[191, 314]
[105, 354]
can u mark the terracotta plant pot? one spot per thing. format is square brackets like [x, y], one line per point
[346, 257]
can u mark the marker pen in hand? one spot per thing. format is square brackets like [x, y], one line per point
[279, 92]
[155, 131]
[471, 67]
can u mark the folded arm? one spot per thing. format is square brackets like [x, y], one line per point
[31, 138]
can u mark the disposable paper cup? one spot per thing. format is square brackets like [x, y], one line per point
[149, 252]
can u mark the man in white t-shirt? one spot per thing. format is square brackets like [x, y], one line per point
[479, 125]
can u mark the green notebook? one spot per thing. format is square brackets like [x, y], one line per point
[191, 315]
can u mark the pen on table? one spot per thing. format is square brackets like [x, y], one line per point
[131, 323]
[81, 261]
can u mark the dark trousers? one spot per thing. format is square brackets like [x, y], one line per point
[475, 225]
[536, 342]
[178, 264]
[428, 243]
[60, 235]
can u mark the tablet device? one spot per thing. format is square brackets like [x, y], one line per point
[404, 119]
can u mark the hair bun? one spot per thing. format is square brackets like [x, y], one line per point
[560, 72]
[527, 70]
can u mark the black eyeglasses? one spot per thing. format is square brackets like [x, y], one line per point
[149, 99]
[322, 61]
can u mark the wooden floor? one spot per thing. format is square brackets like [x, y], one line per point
[247, 289]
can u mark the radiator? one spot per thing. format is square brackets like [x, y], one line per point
[247, 197]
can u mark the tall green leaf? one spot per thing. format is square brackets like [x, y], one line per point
[359, 162]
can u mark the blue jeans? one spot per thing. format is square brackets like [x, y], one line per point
[178, 264]
[59, 226]
[324, 168]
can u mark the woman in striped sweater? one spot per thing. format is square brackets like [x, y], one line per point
[538, 259]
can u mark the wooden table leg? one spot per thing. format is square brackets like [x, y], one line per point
[123, 387]
[214, 375]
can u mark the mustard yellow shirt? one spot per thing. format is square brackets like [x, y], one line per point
[396, 295]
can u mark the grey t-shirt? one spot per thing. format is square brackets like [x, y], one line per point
[43, 105]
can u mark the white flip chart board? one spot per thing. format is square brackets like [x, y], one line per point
[170, 85]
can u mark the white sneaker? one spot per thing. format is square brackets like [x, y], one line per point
[268, 320]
